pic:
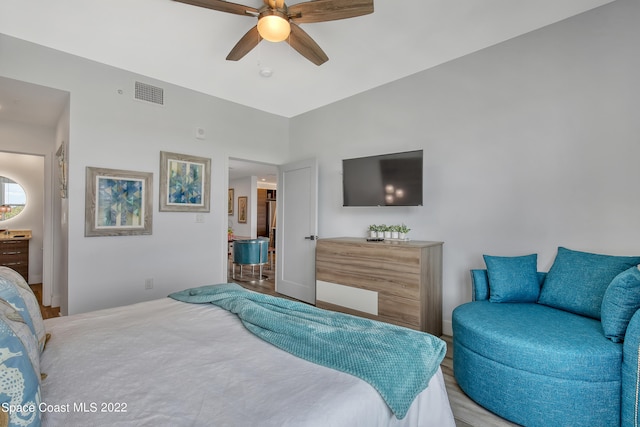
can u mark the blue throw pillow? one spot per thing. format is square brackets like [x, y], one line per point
[577, 280]
[621, 301]
[12, 287]
[513, 279]
[10, 294]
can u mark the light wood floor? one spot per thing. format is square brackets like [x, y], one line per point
[47, 312]
[466, 412]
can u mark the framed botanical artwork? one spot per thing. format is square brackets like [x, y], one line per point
[185, 183]
[230, 201]
[242, 209]
[118, 202]
[61, 154]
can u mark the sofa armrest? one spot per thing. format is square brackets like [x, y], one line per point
[480, 284]
[631, 373]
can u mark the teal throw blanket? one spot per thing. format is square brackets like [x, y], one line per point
[398, 362]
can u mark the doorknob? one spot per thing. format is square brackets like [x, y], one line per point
[312, 237]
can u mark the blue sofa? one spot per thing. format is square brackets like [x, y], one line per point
[552, 349]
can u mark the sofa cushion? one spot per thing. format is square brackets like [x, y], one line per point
[631, 374]
[538, 339]
[513, 279]
[621, 301]
[578, 280]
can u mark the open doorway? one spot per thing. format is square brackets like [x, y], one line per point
[22, 194]
[252, 215]
[34, 122]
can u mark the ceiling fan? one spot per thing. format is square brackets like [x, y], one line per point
[278, 22]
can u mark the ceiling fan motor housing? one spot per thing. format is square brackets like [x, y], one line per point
[273, 24]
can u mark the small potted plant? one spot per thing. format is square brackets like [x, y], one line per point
[373, 231]
[384, 231]
[395, 231]
[402, 231]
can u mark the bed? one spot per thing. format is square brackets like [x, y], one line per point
[171, 363]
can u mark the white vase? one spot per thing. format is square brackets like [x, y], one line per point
[402, 236]
[373, 234]
[394, 234]
[387, 234]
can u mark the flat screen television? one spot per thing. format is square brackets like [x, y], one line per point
[384, 180]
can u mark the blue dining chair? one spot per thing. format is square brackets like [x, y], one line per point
[252, 252]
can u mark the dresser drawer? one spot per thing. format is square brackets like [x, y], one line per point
[395, 282]
[15, 254]
[369, 268]
[12, 246]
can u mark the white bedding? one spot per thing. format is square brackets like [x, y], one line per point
[168, 363]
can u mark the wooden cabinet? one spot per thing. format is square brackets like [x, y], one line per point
[262, 227]
[398, 282]
[14, 253]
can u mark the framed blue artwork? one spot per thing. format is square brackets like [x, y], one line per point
[118, 202]
[185, 183]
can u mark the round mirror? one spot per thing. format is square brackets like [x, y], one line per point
[12, 198]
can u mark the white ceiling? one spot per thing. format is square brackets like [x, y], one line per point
[31, 104]
[187, 45]
[266, 174]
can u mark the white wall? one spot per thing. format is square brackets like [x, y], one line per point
[56, 264]
[529, 145]
[245, 187]
[112, 130]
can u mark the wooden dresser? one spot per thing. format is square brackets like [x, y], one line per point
[398, 282]
[14, 253]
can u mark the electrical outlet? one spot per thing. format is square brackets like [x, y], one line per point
[148, 283]
[199, 218]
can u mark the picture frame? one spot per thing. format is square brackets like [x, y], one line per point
[242, 209]
[118, 202]
[230, 201]
[61, 154]
[185, 183]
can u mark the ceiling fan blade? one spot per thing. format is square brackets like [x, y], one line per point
[244, 46]
[304, 44]
[223, 6]
[329, 10]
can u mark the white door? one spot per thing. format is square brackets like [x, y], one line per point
[297, 229]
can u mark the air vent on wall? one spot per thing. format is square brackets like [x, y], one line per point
[145, 92]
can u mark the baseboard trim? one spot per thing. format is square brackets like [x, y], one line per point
[447, 328]
[55, 301]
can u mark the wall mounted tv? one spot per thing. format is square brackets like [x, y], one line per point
[385, 180]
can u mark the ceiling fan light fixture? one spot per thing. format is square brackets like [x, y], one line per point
[273, 26]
